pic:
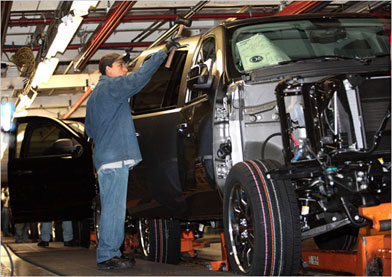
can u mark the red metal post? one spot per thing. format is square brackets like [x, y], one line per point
[78, 103]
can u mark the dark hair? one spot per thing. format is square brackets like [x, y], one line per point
[108, 60]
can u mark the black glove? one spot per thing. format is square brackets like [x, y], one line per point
[127, 57]
[172, 44]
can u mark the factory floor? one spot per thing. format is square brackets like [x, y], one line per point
[56, 260]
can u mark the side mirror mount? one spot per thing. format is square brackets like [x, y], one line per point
[204, 82]
[199, 79]
[66, 146]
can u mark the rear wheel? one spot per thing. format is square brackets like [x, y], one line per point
[144, 236]
[261, 218]
[160, 240]
[96, 217]
[344, 238]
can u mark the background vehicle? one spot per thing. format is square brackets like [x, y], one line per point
[278, 126]
[50, 173]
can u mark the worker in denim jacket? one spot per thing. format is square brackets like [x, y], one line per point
[116, 150]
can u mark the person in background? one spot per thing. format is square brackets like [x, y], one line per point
[46, 231]
[109, 123]
[5, 212]
[22, 232]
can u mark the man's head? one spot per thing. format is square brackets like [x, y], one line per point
[113, 65]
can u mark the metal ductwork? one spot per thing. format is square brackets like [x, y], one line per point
[116, 13]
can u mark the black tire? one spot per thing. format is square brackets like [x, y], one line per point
[81, 232]
[344, 238]
[162, 239]
[261, 221]
[96, 217]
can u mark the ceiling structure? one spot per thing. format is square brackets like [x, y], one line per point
[117, 26]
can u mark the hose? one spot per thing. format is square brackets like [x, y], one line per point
[9, 256]
[265, 143]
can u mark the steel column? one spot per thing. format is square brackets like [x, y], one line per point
[5, 16]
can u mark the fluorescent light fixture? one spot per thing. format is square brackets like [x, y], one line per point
[80, 8]
[24, 102]
[70, 24]
[44, 71]
[65, 33]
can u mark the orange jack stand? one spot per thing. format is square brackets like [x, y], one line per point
[93, 238]
[188, 243]
[222, 265]
[373, 256]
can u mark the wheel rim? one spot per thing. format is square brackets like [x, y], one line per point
[144, 234]
[97, 221]
[241, 231]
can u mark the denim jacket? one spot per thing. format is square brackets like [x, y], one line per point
[108, 116]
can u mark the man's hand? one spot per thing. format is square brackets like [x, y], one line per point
[172, 44]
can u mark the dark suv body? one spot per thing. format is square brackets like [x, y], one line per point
[279, 126]
[50, 170]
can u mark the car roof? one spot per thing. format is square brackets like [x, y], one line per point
[248, 21]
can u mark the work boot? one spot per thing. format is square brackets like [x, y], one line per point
[43, 243]
[116, 263]
[70, 243]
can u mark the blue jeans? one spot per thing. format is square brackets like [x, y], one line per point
[5, 220]
[113, 184]
[21, 232]
[46, 230]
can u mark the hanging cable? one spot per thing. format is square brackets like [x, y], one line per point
[9, 256]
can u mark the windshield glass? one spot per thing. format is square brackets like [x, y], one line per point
[269, 44]
[76, 126]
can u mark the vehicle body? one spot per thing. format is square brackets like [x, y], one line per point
[50, 170]
[263, 121]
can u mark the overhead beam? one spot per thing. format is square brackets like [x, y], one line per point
[298, 7]
[5, 16]
[116, 13]
[92, 19]
[70, 81]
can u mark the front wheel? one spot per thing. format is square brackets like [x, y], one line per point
[261, 220]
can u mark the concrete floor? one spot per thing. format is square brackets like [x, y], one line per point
[56, 260]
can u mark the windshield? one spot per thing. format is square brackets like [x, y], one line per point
[76, 126]
[269, 44]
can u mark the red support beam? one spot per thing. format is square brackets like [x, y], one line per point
[18, 22]
[78, 103]
[116, 13]
[77, 46]
[297, 7]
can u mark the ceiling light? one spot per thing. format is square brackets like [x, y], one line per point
[80, 8]
[65, 33]
[44, 71]
[24, 102]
